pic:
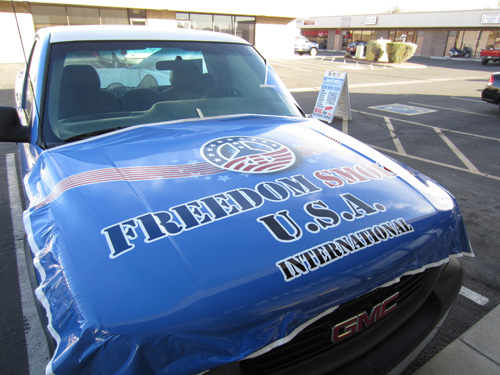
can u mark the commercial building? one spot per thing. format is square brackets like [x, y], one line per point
[267, 25]
[434, 33]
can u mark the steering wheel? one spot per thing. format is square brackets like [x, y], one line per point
[224, 91]
[116, 88]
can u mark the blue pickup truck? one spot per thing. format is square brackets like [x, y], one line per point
[184, 216]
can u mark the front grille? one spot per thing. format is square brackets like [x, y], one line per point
[316, 338]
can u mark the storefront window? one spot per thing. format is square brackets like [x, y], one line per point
[137, 17]
[114, 17]
[317, 36]
[49, 15]
[411, 36]
[403, 36]
[357, 36]
[62, 15]
[83, 16]
[182, 16]
[202, 22]
[493, 37]
[224, 24]
[245, 28]
[241, 26]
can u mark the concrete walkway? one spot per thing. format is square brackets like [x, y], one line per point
[477, 351]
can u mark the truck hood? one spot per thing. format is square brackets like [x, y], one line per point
[177, 247]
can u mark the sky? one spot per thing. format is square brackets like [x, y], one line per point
[329, 7]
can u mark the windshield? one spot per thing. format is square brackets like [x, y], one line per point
[95, 87]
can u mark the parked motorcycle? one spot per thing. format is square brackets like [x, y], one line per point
[456, 52]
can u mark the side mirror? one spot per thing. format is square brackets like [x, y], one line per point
[11, 129]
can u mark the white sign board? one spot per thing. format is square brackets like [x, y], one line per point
[490, 18]
[333, 98]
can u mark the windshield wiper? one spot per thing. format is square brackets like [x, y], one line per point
[79, 137]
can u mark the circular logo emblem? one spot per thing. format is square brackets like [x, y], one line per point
[247, 154]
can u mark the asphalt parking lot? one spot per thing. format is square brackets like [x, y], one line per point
[426, 114]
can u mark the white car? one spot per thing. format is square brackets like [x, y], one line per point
[303, 45]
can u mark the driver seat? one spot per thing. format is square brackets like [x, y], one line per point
[186, 82]
[81, 93]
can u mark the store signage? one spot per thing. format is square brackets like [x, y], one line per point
[372, 20]
[490, 18]
[345, 22]
[333, 98]
[309, 22]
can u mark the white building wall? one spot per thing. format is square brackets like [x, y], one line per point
[165, 23]
[275, 40]
[10, 43]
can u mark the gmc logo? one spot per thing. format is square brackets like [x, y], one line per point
[357, 323]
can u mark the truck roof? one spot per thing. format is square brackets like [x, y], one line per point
[61, 34]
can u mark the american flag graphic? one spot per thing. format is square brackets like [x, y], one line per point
[96, 176]
[242, 154]
[248, 154]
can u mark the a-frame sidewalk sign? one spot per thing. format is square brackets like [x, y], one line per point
[333, 98]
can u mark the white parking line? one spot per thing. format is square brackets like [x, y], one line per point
[469, 100]
[36, 345]
[387, 151]
[394, 136]
[345, 126]
[453, 110]
[430, 126]
[471, 167]
[290, 67]
[382, 84]
[412, 82]
[473, 296]
[306, 89]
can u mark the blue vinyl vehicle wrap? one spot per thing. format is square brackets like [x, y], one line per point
[204, 245]
[184, 216]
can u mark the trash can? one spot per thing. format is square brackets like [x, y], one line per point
[360, 51]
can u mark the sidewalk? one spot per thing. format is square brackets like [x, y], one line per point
[477, 351]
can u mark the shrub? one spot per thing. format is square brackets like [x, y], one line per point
[374, 50]
[400, 52]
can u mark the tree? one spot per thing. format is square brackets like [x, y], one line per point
[396, 9]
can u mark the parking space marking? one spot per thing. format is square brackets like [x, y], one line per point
[470, 168]
[290, 67]
[394, 136]
[454, 110]
[456, 151]
[305, 89]
[403, 109]
[469, 100]
[345, 126]
[473, 296]
[430, 126]
[378, 84]
[412, 82]
[385, 150]
[36, 346]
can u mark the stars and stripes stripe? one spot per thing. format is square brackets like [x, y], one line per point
[265, 162]
[129, 174]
